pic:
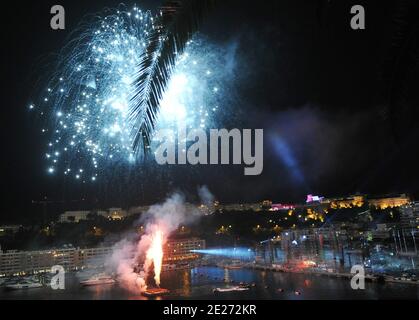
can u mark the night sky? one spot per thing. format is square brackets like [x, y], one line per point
[344, 103]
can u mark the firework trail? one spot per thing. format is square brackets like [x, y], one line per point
[154, 255]
[87, 101]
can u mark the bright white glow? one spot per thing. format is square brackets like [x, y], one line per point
[172, 105]
[120, 105]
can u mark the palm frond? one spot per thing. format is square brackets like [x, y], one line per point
[399, 66]
[175, 25]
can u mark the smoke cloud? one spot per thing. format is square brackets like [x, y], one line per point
[207, 198]
[134, 259]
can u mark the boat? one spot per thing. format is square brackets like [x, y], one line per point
[155, 292]
[98, 280]
[231, 289]
[245, 285]
[23, 284]
[233, 266]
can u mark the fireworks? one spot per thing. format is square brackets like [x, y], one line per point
[154, 254]
[136, 261]
[87, 102]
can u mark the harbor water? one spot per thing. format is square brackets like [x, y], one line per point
[199, 283]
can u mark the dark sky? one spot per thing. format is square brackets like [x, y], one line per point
[341, 104]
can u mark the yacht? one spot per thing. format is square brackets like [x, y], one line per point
[23, 284]
[234, 266]
[245, 285]
[231, 289]
[98, 280]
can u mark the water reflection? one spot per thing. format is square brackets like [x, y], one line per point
[186, 283]
[198, 283]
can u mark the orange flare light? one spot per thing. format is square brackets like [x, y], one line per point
[155, 254]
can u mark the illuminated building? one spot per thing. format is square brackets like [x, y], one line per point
[410, 216]
[382, 232]
[389, 202]
[345, 202]
[182, 250]
[267, 204]
[357, 201]
[9, 230]
[116, 214]
[311, 198]
[31, 262]
[74, 216]
[206, 209]
[242, 207]
[279, 206]
[77, 216]
[92, 257]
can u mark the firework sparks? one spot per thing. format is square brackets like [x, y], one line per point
[154, 254]
[136, 261]
[87, 101]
